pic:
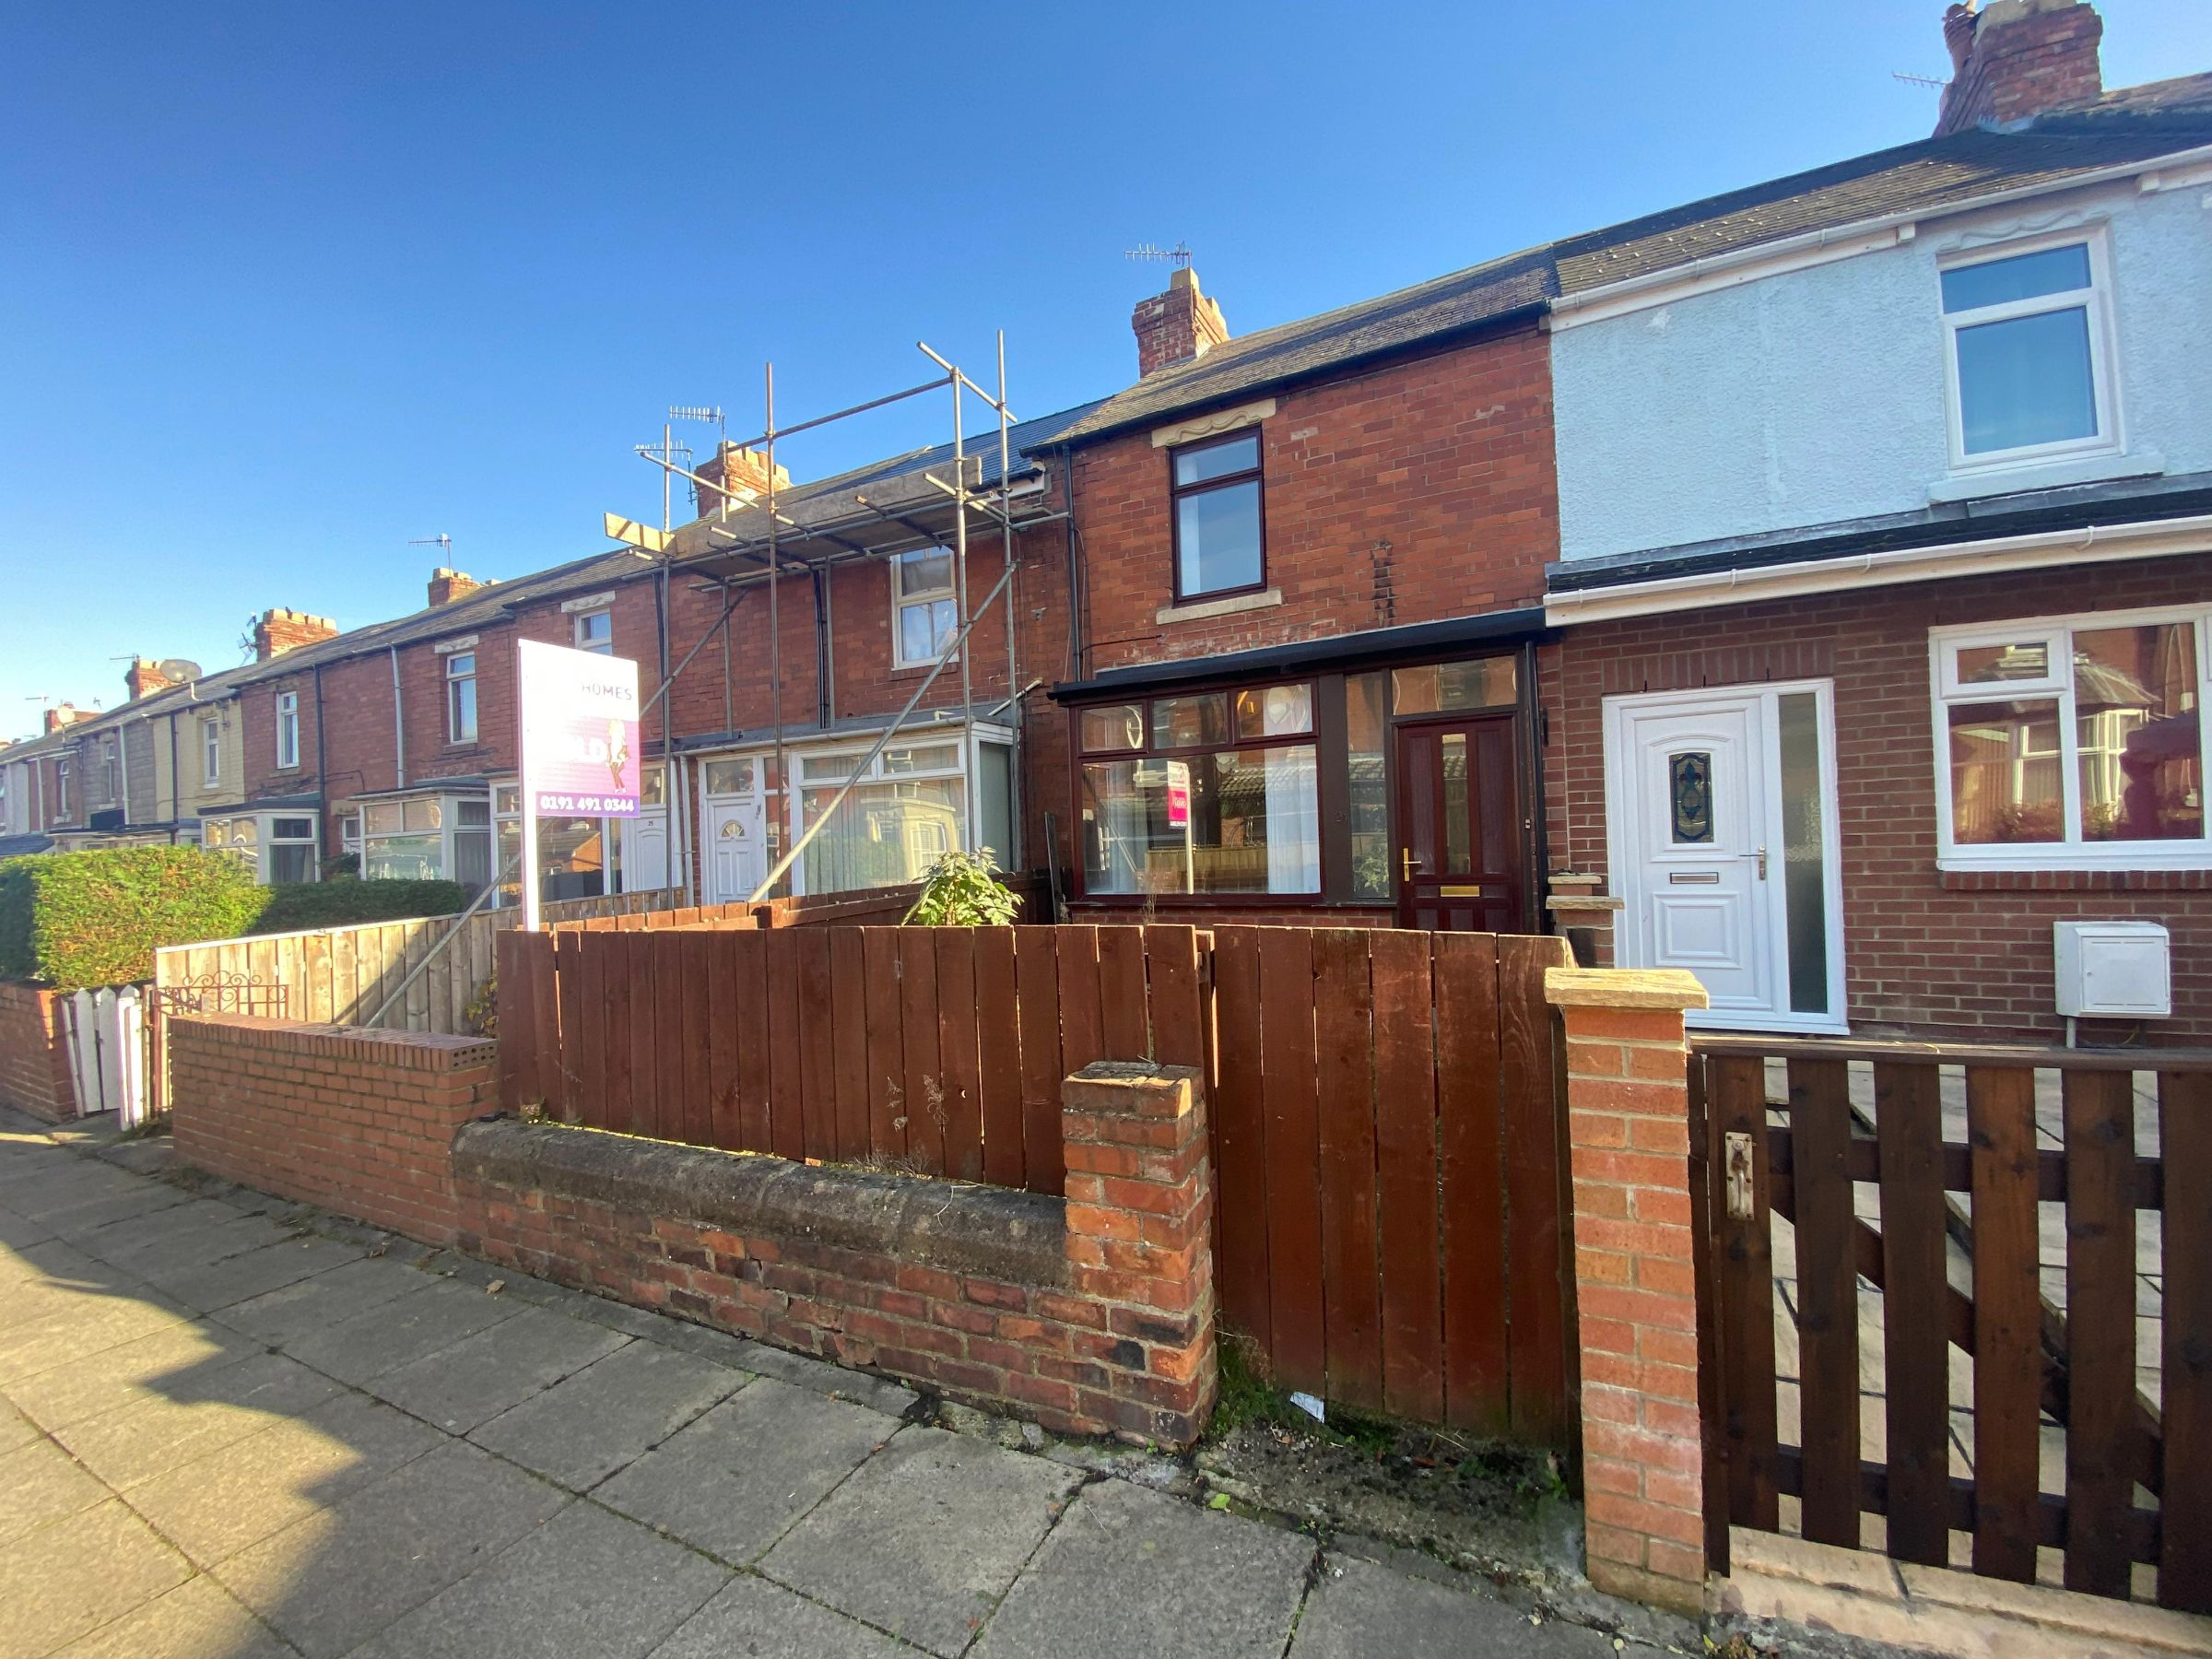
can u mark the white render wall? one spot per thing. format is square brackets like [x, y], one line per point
[1817, 396]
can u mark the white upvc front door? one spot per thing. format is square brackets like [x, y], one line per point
[645, 849]
[1721, 823]
[736, 849]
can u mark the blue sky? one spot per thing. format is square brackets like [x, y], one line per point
[287, 287]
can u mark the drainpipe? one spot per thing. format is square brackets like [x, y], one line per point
[322, 782]
[399, 730]
[825, 694]
[1075, 578]
[175, 809]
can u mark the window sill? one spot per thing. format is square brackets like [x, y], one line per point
[1197, 610]
[1973, 484]
[2072, 879]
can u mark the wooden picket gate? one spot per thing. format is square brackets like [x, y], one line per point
[1385, 1106]
[1983, 1236]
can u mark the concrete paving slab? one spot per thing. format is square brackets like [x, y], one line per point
[121, 1238]
[586, 1582]
[136, 1443]
[82, 1325]
[292, 1311]
[129, 1202]
[16, 1430]
[734, 1480]
[250, 1273]
[337, 1579]
[753, 1616]
[892, 1399]
[215, 1507]
[18, 1230]
[1359, 1610]
[201, 1243]
[926, 1536]
[41, 1483]
[198, 1619]
[480, 1376]
[67, 1580]
[1132, 1571]
[607, 1415]
[398, 1332]
[155, 1366]
[43, 1194]
[50, 1264]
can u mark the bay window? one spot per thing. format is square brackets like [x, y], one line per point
[280, 848]
[428, 837]
[2075, 742]
[1208, 792]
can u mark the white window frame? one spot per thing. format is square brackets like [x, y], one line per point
[2056, 634]
[2104, 359]
[287, 731]
[598, 647]
[453, 680]
[918, 737]
[211, 750]
[901, 599]
[61, 789]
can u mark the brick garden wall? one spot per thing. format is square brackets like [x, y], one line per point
[1924, 951]
[357, 1122]
[34, 1053]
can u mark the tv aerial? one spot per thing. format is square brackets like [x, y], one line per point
[1179, 255]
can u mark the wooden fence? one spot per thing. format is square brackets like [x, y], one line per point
[1384, 1105]
[342, 975]
[2080, 1195]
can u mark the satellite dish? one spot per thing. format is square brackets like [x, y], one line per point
[178, 670]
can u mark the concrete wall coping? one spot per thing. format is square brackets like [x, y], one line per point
[1667, 988]
[960, 1227]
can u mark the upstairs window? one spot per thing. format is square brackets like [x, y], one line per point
[211, 751]
[288, 730]
[2073, 742]
[924, 613]
[2026, 338]
[61, 789]
[596, 632]
[460, 696]
[1214, 495]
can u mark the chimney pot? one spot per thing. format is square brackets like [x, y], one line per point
[2016, 59]
[144, 678]
[279, 630]
[66, 714]
[1177, 326]
[447, 585]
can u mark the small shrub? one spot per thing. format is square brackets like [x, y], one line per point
[341, 903]
[962, 890]
[74, 920]
[341, 866]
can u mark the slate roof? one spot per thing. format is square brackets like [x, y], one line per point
[2129, 124]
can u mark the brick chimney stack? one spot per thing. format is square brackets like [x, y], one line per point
[144, 678]
[449, 585]
[66, 714]
[737, 468]
[2014, 60]
[277, 631]
[1177, 327]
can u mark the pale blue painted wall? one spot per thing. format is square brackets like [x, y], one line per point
[1816, 396]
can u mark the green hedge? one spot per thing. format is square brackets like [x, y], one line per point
[340, 903]
[70, 920]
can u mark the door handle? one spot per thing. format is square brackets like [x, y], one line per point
[1762, 863]
[1405, 863]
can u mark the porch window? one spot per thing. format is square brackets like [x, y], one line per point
[902, 815]
[279, 848]
[2073, 742]
[403, 841]
[1221, 799]
[924, 613]
[1220, 540]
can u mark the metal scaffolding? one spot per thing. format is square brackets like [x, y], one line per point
[891, 518]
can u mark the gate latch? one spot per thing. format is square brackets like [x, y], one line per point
[1742, 1203]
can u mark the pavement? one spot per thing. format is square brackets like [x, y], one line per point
[232, 1429]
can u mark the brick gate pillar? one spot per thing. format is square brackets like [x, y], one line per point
[1627, 1129]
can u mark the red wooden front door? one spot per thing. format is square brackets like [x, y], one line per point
[1461, 859]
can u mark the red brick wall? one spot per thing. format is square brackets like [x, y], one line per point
[358, 1121]
[257, 711]
[1409, 492]
[34, 1053]
[1969, 953]
[1107, 1329]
